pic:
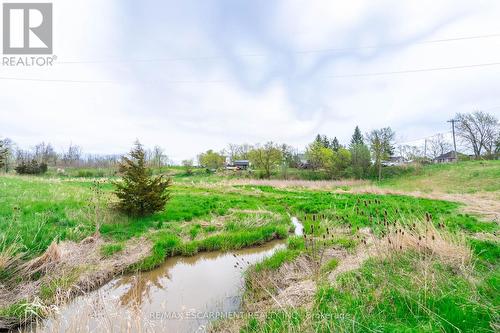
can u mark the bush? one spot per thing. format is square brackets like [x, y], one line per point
[31, 168]
[140, 194]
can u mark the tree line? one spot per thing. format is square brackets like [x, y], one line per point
[362, 157]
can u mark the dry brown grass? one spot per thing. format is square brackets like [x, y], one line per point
[483, 204]
[309, 184]
[293, 285]
[82, 262]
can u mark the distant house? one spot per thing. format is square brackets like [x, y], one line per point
[238, 165]
[446, 158]
[303, 162]
[393, 161]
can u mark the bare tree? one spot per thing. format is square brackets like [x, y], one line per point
[45, 153]
[478, 131]
[3, 154]
[438, 145]
[72, 156]
[409, 153]
[158, 156]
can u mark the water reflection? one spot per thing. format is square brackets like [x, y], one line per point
[182, 295]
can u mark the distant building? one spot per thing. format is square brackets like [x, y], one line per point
[238, 165]
[449, 157]
[393, 161]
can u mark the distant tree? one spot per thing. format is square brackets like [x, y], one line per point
[188, 167]
[238, 152]
[266, 158]
[3, 155]
[497, 145]
[211, 159]
[139, 193]
[45, 153]
[290, 156]
[323, 140]
[316, 154]
[31, 167]
[381, 146]
[72, 156]
[410, 153]
[337, 162]
[478, 130]
[357, 138]
[158, 157]
[360, 159]
[334, 145]
[319, 139]
[439, 145]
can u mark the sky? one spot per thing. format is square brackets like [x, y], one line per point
[194, 75]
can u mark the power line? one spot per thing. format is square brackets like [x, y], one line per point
[423, 138]
[415, 70]
[305, 51]
[409, 71]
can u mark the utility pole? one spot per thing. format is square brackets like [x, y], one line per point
[425, 148]
[453, 121]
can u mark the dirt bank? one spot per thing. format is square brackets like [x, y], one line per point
[67, 270]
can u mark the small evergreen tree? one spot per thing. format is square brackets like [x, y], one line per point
[335, 145]
[357, 137]
[139, 192]
[31, 167]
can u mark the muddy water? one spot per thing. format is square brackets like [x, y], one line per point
[182, 295]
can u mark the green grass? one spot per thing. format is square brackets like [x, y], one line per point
[22, 310]
[329, 266]
[108, 250]
[462, 177]
[277, 260]
[34, 211]
[166, 244]
[394, 295]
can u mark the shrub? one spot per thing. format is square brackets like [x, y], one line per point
[31, 168]
[140, 194]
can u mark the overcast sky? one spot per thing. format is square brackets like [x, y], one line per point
[197, 74]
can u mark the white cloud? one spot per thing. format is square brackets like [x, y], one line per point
[280, 95]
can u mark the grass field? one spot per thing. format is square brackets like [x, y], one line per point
[206, 214]
[464, 177]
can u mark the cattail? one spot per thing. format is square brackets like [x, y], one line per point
[419, 238]
[389, 240]
[400, 247]
[385, 212]
[432, 237]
